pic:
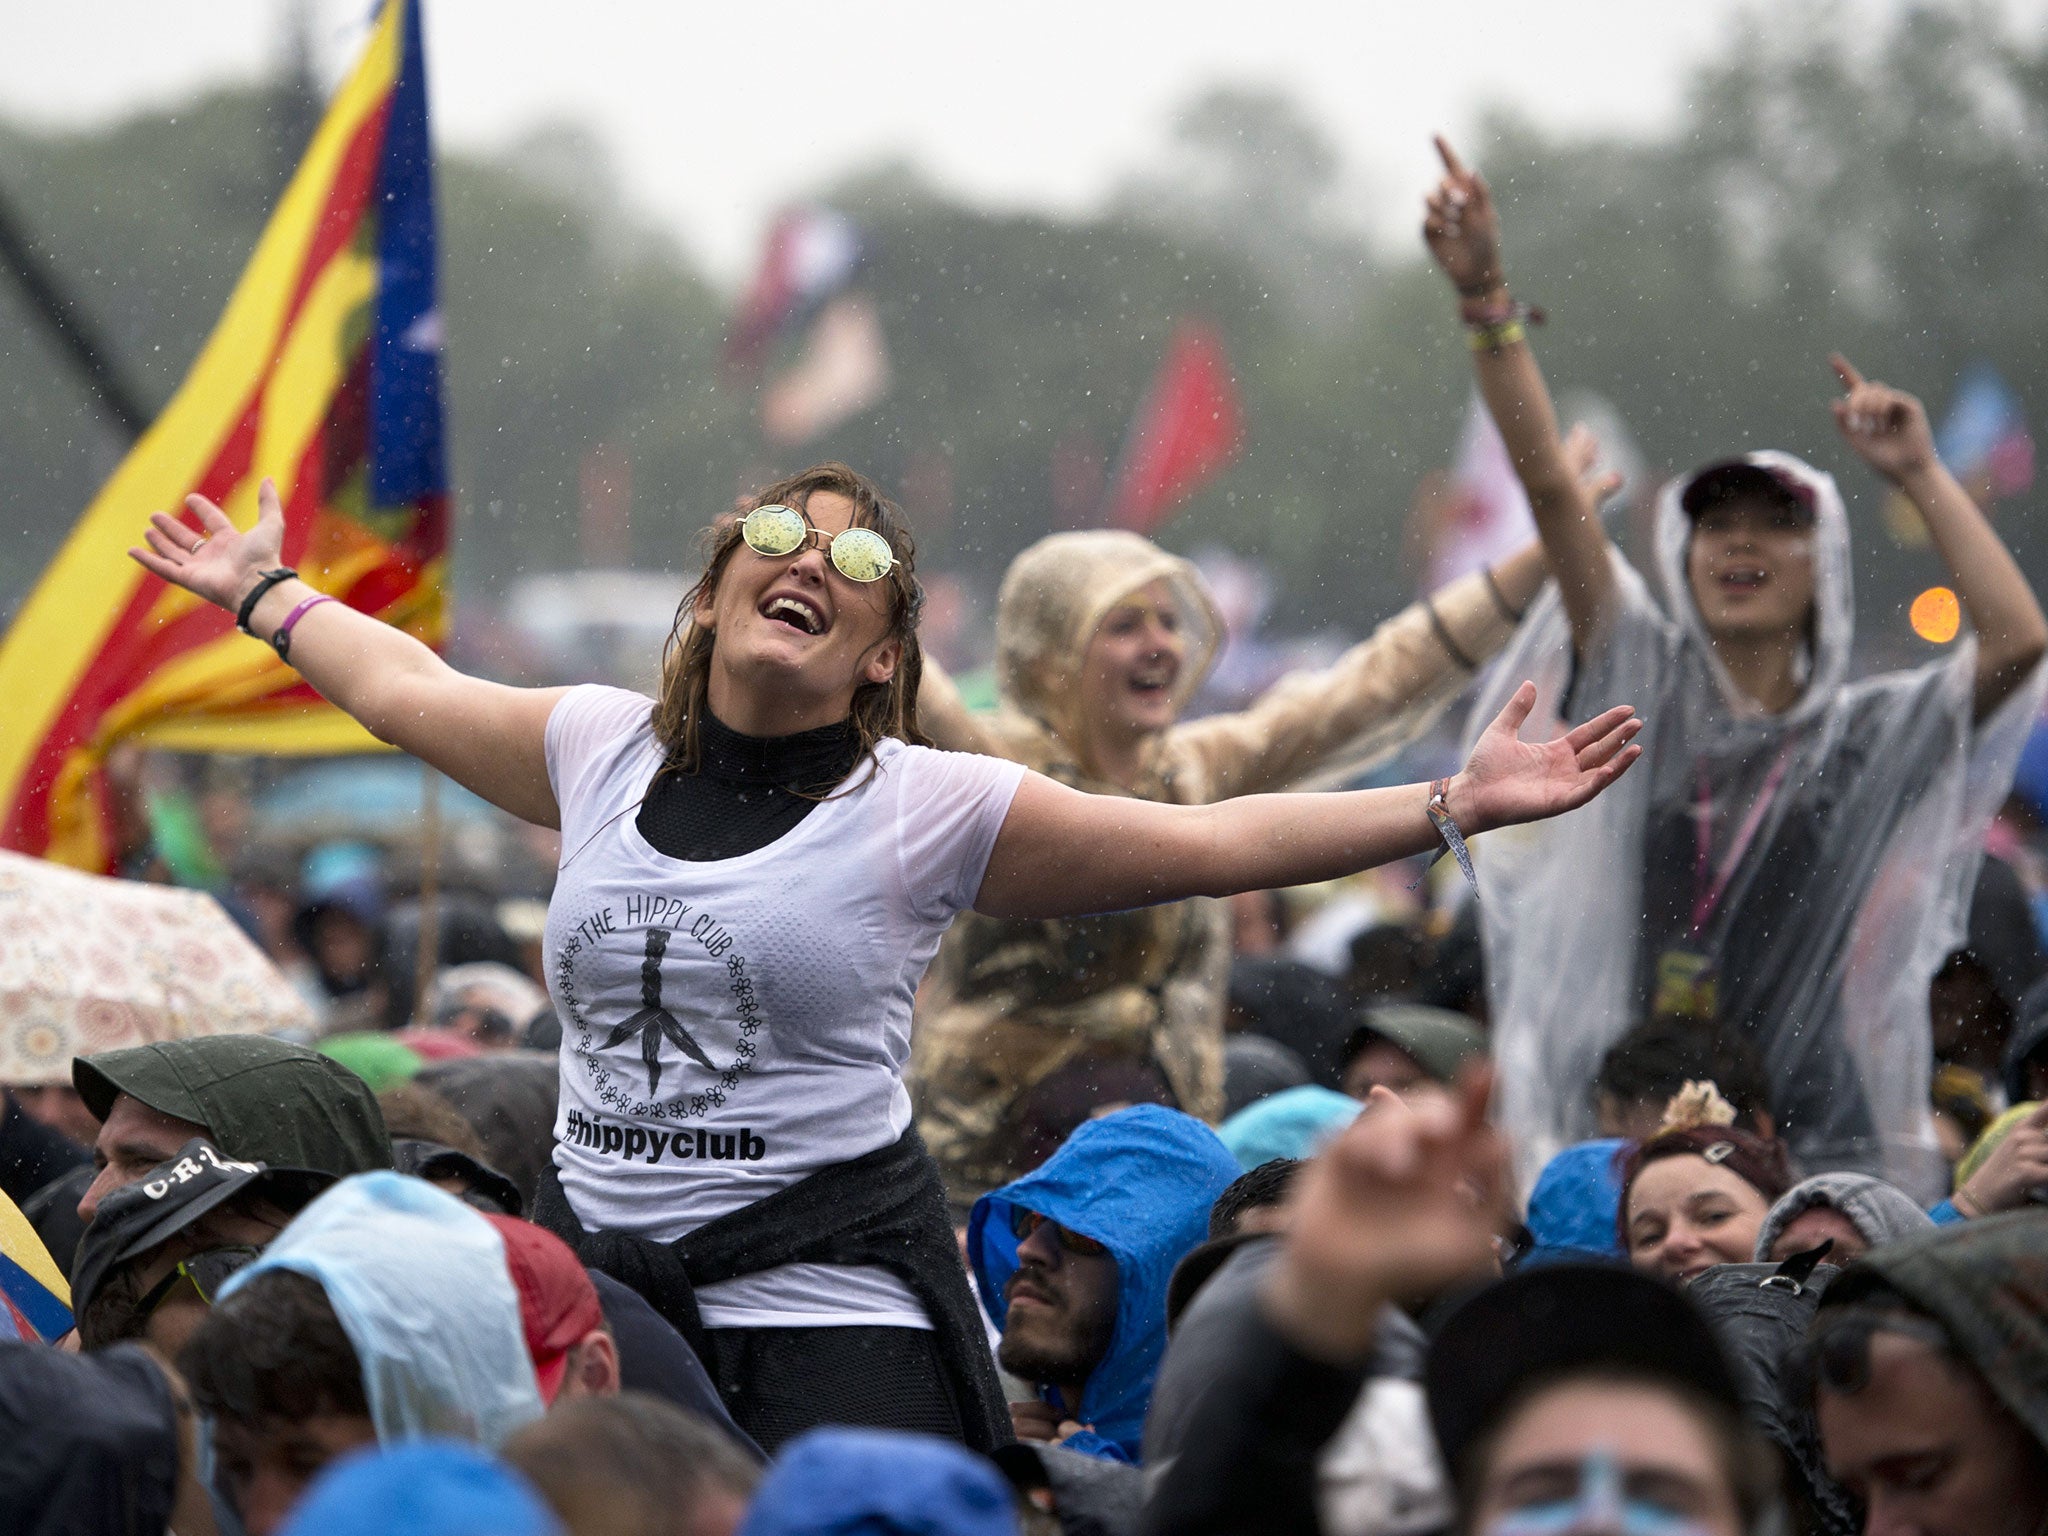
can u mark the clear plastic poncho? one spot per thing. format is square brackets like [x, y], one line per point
[1798, 876]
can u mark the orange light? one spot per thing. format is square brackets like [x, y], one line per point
[1936, 615]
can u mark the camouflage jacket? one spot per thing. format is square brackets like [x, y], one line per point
[1008, 1003]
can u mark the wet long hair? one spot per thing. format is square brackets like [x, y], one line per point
[879, 709]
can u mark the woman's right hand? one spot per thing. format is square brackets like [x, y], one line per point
[1462, 229]
[221, 563]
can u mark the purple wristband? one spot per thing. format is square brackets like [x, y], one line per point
[281, 639]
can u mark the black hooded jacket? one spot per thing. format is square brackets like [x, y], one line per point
[88, 1443]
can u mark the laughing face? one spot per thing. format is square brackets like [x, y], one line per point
[1750, 566]
[795, 638]
[1132, 664]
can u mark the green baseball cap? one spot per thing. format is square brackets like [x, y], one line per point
[1440, 1041]
[261, 1100]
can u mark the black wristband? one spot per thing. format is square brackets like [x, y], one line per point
[1443, 637]
[1500, 598]
[270, 579]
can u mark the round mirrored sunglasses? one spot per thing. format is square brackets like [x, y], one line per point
[858, 554]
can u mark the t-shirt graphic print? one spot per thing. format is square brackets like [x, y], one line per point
[731, 1025]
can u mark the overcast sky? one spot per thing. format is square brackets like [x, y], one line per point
[715, 113]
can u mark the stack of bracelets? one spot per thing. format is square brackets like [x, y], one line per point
[1490, 323]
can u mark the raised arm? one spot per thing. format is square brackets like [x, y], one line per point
[1062, 853]
[1888, 428]
[1462, 230]
[487, 737]
[945, 717]
[1379, 694]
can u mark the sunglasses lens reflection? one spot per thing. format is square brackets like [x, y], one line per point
[774, 530]
[862, 555]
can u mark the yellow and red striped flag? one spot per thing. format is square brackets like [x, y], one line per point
[324, 373]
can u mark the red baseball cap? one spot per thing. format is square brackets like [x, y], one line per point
[558, 1306]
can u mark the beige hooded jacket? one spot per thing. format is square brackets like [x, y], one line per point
[1007, 1004]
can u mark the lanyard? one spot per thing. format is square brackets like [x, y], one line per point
[1708, 887]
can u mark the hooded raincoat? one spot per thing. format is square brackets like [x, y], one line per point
[1875, 1209]
[1009, 1004]
[419, 1283]
[1800, 876]
[1987, 1283]
[879, 1482]
[1140, 1182]
[435, 1488]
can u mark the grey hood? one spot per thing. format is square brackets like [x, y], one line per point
[1882, 1212]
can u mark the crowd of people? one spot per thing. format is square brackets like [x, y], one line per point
[906, 1119]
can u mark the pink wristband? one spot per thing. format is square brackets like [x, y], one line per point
[281, 638]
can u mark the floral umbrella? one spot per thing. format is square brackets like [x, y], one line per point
[90, 964]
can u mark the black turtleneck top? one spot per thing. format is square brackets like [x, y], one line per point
[747, 790]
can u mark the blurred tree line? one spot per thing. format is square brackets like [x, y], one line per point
[1828, 186]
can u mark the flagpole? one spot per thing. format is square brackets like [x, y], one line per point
[427, 961]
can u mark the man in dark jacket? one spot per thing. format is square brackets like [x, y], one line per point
[256, 1099]
[1929, 1367]
[1572, 1397]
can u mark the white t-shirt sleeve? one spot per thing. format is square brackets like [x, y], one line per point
[584, 735]
[949, 808]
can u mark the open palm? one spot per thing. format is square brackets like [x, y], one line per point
[1509, 780]
[220, 562]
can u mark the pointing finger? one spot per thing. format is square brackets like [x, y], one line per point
[1449, 156]
[1845, 371]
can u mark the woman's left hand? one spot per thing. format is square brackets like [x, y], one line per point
[1887, 426]
[1509, 780]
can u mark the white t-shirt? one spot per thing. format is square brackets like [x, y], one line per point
[732, 1025]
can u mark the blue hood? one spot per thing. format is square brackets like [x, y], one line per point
[1140, 1182]
[1294, 1122]
[1575, 1207]
[878, 1482]
[424, 1488]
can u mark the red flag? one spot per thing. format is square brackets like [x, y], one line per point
[1187, 428]
[812, 253]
